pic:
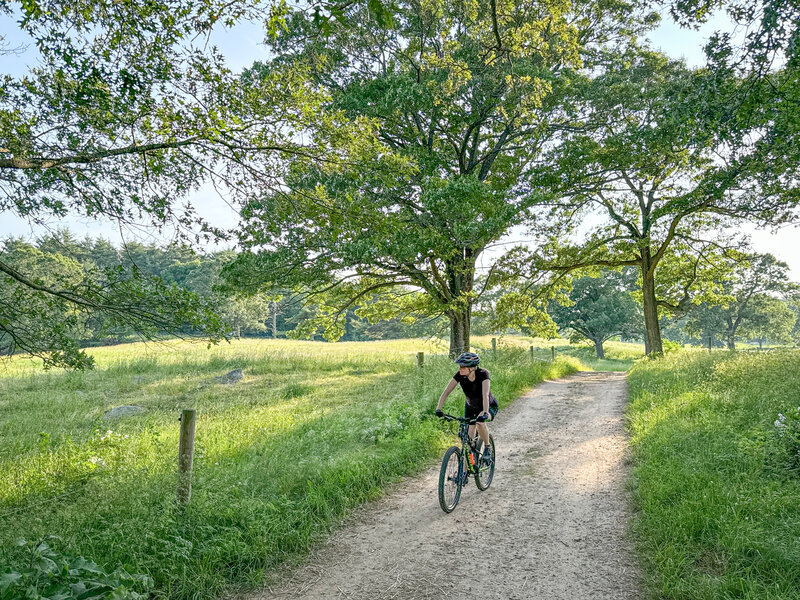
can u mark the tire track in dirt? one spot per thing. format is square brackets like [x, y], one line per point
[551, 526]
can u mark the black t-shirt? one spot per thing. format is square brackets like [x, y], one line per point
[473, 390]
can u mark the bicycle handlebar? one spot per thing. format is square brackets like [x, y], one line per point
[478, 419]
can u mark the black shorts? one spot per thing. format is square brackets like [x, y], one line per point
[470, 412]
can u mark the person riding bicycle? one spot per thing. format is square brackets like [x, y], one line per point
[480, 403]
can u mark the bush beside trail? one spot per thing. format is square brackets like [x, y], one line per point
[309, 432]
[717, 474]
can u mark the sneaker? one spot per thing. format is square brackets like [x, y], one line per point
[487, 456]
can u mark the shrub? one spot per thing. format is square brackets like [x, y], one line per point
[50, 575]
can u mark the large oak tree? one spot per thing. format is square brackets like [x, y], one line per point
[462, 96]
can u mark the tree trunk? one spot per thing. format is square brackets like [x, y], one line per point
[459, 332]
[460, 276]
[598, 348]
[652, 329]
[730, 334]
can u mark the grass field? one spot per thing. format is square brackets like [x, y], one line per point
[312, 430]
[716, 449]
[620, 356]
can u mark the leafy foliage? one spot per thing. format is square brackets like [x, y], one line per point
[460, 97]
[600, 308]
[769, 319]
[127, 111]
[745, 297]
[650, 161]
[44, 312]
[50, 575]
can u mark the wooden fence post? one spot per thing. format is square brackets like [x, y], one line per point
[531, 352]
[420, 359]
[186, 455]
[494, 345]
[552, 353]
[709, 343]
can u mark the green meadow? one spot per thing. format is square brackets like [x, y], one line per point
[620, 356]
[312, 430]
[716, 451]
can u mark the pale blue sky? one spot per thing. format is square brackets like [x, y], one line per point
[242, 45]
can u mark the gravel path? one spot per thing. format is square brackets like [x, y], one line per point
[552, 525]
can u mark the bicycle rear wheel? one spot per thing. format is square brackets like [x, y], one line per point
[483, 478]
[450, 479]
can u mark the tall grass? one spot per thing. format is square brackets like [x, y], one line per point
[620, 356]
[312, 430]
[716, 474]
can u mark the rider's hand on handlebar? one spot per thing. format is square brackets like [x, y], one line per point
[438, 412]
[484, 416]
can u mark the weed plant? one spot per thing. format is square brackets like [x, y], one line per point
[312, 430]
[715, 447]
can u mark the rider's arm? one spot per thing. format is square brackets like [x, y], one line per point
[485, 389]
[451, 385]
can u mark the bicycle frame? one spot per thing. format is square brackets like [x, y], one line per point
[455, 474]
[469, 448]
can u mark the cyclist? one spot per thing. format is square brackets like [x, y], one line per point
[480, 402]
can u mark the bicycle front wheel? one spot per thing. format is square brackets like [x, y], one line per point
[450, 479]
[483, 478]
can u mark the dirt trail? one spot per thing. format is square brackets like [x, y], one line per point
[552, 525]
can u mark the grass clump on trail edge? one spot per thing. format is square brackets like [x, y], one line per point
[312, 430]
[716, 442]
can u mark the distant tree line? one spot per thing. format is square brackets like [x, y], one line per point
[64, 259]
[757, 301]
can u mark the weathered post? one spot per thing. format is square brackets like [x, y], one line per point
[186, 455]
[420, 359]
[553, 353]
[531, 352]
[709, 343]
[494, 345]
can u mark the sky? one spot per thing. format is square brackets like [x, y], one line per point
[242, 45]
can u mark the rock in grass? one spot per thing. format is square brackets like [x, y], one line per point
[137, 379]
[230, 377]
[123, 411]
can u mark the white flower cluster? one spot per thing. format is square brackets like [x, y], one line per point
[780, 422]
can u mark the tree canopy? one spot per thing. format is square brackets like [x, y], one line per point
[600, 308]
[125, 112]
[649, 163]
[462, 97]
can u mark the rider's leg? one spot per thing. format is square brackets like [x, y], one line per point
[483, 431]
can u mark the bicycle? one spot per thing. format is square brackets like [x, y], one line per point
[459, 464]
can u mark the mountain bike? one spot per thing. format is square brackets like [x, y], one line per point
[459, 464]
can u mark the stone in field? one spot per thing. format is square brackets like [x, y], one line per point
[230, 377]
[123, 411]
